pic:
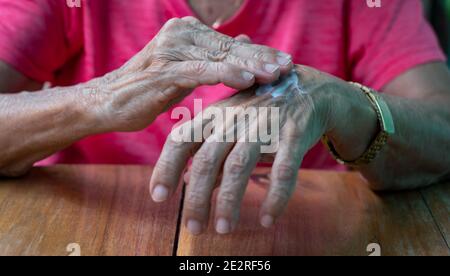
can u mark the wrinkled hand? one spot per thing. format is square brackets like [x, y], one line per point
[306, 113]
[184, 55]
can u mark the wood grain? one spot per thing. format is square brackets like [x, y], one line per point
[330, 214]
[406, 227]
[107, 210]
[437, 199]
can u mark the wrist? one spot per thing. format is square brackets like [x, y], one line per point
[354, 123]
[91, 102]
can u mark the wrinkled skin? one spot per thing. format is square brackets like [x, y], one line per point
[328, 106]
[304, 118]
[184, 55]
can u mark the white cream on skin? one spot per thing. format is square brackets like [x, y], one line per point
[282, 87]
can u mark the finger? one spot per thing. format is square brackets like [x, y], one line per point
[264, 72]
[191, 74]
[173, 159]
[206, 166]
[236, 173]
[187, 176]
[247, 51]
[283, 178]
[208, 38]
[216, 41]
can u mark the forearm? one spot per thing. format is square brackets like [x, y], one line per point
[38, 124]
[417, 155]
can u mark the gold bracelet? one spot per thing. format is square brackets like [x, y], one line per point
[386, 125]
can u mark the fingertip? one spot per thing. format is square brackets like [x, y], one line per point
[247, 76]
[160, 193]
[194, 227]
[283, 59]
[272, 69]
[246, 80]
[285, 62]
[223, 226]
[267, 221]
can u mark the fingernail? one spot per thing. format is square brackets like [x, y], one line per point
[160, 193]
[247, 75]
[271, 68]
[194, 226]
[267, 221]
[223, 226]
[284, 59]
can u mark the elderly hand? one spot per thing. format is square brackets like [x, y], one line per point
[309, 106]
[184, 55]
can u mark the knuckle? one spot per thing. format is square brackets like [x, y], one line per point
[241, 62]
[204, 163]
[216, 56]
[237, 163]
[196, 202]
[227, 198]
[225, 44]
[259, 54]
[173, 23]
[285, 172]
[198, 68]
[281, 194]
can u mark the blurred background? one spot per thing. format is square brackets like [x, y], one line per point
[438, 12]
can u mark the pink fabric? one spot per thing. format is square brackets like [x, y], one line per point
[48, 41]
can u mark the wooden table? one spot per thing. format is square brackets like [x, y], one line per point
[106, 210]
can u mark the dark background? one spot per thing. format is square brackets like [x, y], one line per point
[438, 12]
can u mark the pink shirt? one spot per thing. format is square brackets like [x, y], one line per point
[48, 41]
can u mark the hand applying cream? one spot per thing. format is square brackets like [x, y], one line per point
[281, 87]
